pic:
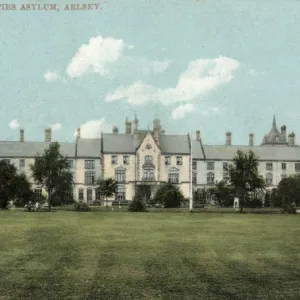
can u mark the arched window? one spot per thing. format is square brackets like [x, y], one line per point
[210, 178]
[120, 175]
[269, 179]
[173, 175]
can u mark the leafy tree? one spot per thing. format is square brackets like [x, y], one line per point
[244, 177]
[199, 197]
[168, 195]
[107, 188]
[223, 193]
[12, 185]
[289, 191]
[51, 170]
[23, 192]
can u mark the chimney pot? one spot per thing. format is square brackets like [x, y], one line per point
[21, 135]
[48, 135]
[228, 138]
[291, 140]
[198, 135]
[115, 130]
[251, 139]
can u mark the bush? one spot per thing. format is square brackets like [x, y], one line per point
[137, 205]
[81, 206]
[288, 209]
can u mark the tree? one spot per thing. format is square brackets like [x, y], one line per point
[51, 170]
[289, 190]
[23, 192]
[169, 195]
[244, 177]
[107, 188]
[13, 186]
[223, 193]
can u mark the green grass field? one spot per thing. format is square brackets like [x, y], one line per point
[101, 255]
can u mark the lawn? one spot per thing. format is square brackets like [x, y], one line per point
[104, 255]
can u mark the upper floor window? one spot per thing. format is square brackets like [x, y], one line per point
[297, 167]
[114, 159]
[125, 159]
[225, 166]
[89, 164]
[70, 163]
[210, 178]
[269, 179]
[173, 175]
[120, 175]
[210, 165]
[148, 158]
[89, 178]
[167, 160]
[22, 163]
[179, 160]
[194, 164]
[148, 174]
[269, 166]
[120, 194]
[283, 166]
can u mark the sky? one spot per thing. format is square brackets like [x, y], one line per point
[213, 66]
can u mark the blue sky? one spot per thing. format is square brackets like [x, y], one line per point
[201, 65]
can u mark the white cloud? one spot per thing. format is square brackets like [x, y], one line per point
[180, 111]
[14, 124]
[200, 77]
[92, 129]
[56, 126]
[211, 111]
[95, 56]
[51, 76]
[253, 72]
[157, 66]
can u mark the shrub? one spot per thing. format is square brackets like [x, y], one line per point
[288, 209]
[81, 206]
[137, 205]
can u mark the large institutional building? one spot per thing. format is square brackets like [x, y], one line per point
[140, 160]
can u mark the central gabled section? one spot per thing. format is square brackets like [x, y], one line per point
[148, 159]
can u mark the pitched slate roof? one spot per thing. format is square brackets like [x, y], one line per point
[128, 143]
[30, 149]
[222, 152]
[89, 148]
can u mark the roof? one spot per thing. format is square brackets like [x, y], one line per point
[30, 149]
[128, 143]
[89, 148]
[222, 152]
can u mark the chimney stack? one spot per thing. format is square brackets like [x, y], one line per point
[127, 126]
[115, 130]
[283, 131]
[251, 139]
[156, 129]
[21, 135]
[48, 135]
[198, 135]
[291, 139]
[228, 138]
[78, 133]
[135, 124]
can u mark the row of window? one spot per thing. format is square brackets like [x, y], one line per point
[269, 166]
[120, 195]
[22, 162]
[210, 178]
[147, 159]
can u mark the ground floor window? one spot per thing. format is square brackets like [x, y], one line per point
[89, 195]
[80, 194]
[120, 195]
[98, 194]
